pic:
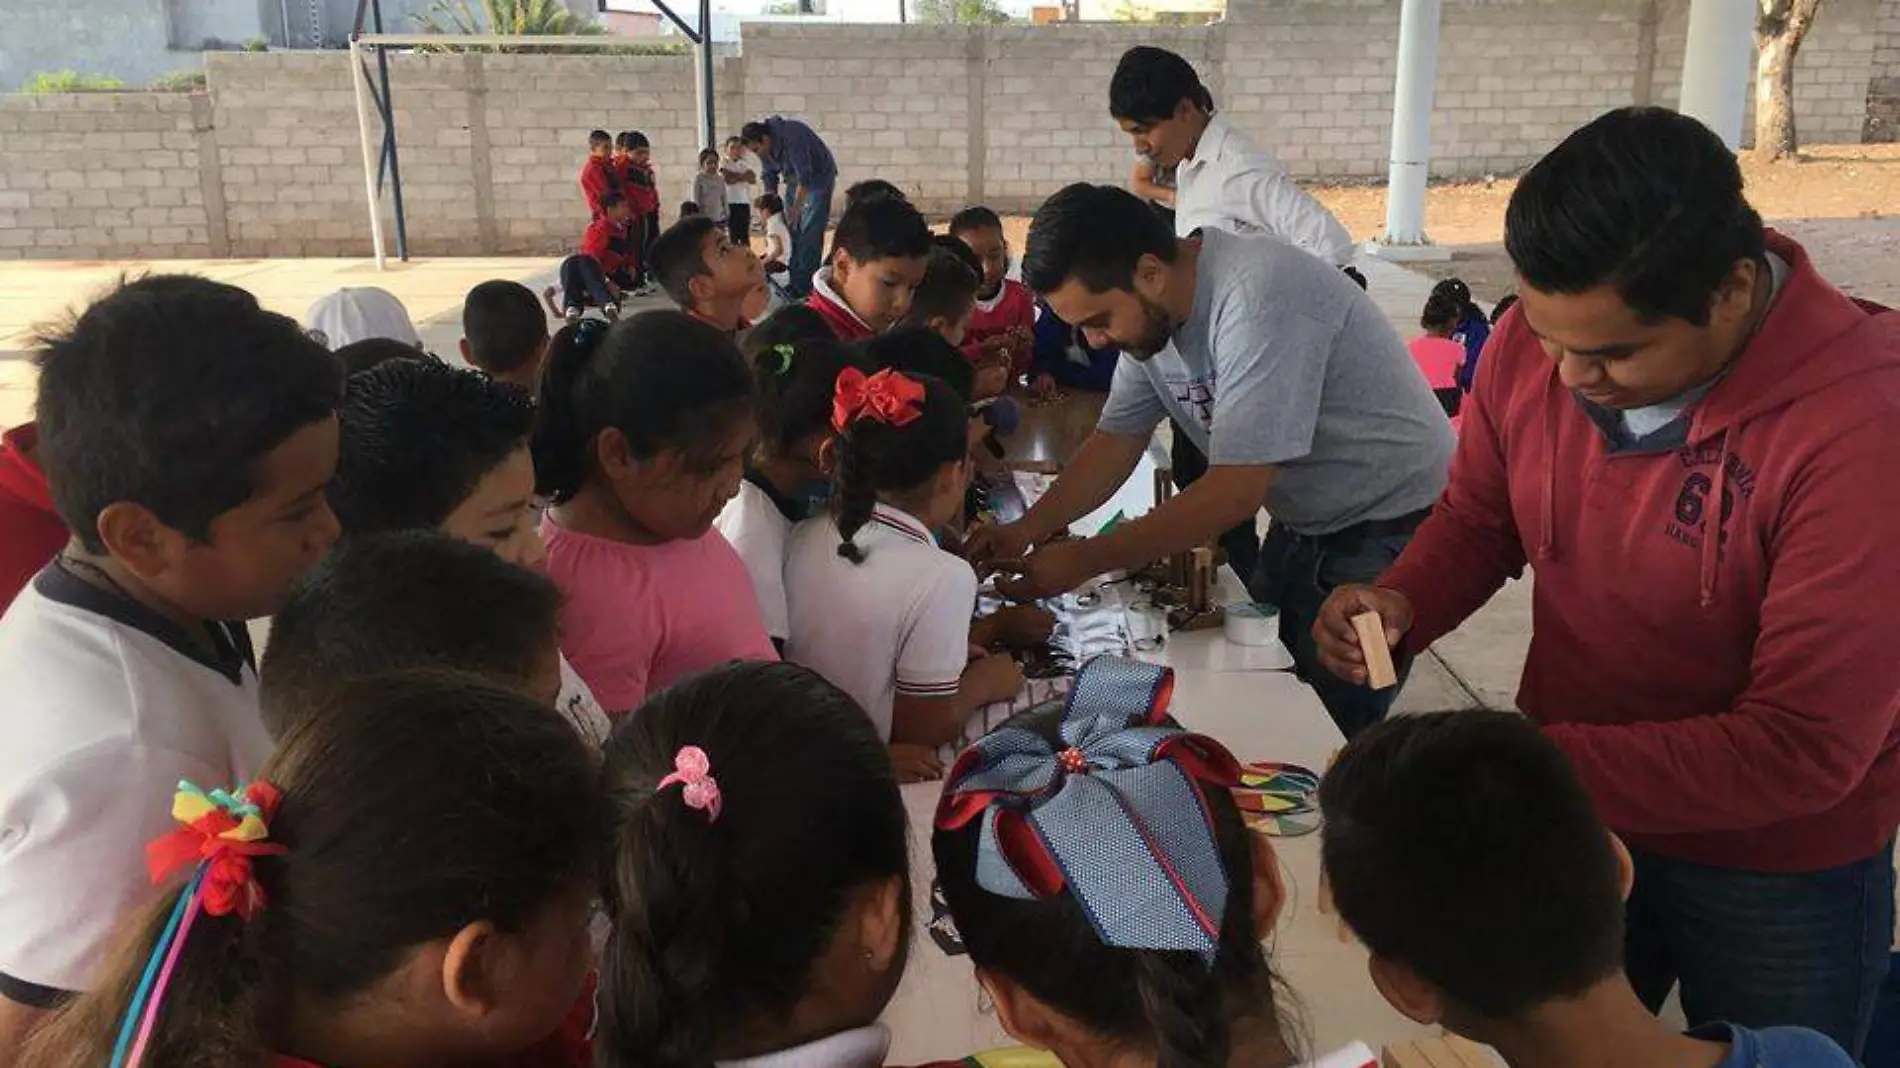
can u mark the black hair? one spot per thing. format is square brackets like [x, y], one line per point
[1149, 83]
[401, 600]
[735, 139]
[1642, 199]
[875, 457]
[972, 219]
[167, 392]
[505, 326]
[689, 209]
[882, 229]
[415, 805]
[1170, 1001]
[791, 324]
[630, 140]
[1358, 277]
[797, 381]
[872, 189]
[754, 132]
[415, 438]
[718, 924]
[678, 256]
[708, 153]
[918, 351]
[1503, 305]
[663, 379]
[771, 202]
[1443, 311]
[1095, 234]
[610, 200]
[1462, 845]
[597, 138]
[1454, 293]
[359, 356]
[951, 280]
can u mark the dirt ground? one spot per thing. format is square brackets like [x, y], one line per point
[1840, 201]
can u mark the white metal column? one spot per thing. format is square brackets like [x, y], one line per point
[1411, 130]
[1715, 65]
[359, 77]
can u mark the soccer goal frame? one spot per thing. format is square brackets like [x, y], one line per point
[384, 170]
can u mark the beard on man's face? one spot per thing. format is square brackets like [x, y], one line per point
[1157, 329]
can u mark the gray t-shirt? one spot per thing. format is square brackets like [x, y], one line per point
[1285, 361]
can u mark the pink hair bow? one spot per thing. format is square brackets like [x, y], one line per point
[692, 772]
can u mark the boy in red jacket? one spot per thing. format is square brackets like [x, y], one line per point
[31, 532]
[878, 258]
[633, 162]
[598, 175]
[1703, 482]
[597, 275]
[1004, 326]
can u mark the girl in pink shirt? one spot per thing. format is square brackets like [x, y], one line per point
[643, 436]
[1437, 355]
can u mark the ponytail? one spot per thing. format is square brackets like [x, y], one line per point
[876, 458]
[1182, 1003]
[561, 437]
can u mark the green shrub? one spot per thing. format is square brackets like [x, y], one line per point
[179, 81]
[66, 81]
[257, 44]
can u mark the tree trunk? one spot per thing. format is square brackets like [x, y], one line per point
[1780, 28]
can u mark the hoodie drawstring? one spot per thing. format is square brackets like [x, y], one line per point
[1547, 538]
[1712, 527]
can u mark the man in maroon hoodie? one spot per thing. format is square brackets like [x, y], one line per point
[1692, 437]
[31, 533]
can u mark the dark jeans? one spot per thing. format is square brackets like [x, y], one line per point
[1296, 574]
[739, 223]
[1764, 950]
[808, 238]
[583, 284]
[649, 234]
[1189, 463]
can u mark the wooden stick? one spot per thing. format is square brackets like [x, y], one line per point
[1379, 672]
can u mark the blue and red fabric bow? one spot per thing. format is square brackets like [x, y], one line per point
[885, 397]
[1118, 818]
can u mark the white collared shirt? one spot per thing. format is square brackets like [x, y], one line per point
[1231, 184]
[897, 623]
[863, 1047]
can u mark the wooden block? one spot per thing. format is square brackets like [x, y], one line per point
[1472, 1055]
[1379, 672]
[1406, 1054]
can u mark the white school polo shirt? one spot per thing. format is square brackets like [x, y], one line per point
[897, 623]
[106, 705]
[1233, 185]
[759, 533]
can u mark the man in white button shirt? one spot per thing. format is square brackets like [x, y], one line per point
[1223, 180]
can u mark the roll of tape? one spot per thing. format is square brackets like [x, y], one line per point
[1252, 623]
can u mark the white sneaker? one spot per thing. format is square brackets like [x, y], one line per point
[611, 312]
[645, 289]
[572, 315]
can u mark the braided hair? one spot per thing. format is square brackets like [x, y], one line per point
[875, 458]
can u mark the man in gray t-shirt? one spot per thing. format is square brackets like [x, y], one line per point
[1277, 366]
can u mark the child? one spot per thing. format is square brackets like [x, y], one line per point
[504, 334]
[876, 606]
[600, 174]
[1065, 359]
[34, 530]
[425, 446]
[186, 435]
[417, 599]
[1437, 355]
[758, 877]
[710, 278]
[1472, 327]
[598, 274]
[1005, 321]
[778, 244]
[642, 440]
[878, 257]
[795, 382]
[689, 209]
[359, 313]
[1463, 851]
[409, 881]
[739, 171]
[709, 189]
[944, 303]
[872, 189]
[1122, 910]
[1503, 305]
[634, 161]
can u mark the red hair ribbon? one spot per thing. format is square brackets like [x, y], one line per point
[222, 831]
[885, 397]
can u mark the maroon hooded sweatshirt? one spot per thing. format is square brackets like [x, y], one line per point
[1713, 621]
[31, 533]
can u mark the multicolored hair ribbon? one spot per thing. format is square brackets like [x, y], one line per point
[887, 397]
[692, 773]
[1117, 819]
[222, 831]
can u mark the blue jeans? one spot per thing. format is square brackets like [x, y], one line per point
[808, 238]
[1297, 572]
[1808, 949]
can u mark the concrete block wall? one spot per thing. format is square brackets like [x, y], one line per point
[268, 162]
[59, 198]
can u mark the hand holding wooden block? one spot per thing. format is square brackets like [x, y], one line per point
[1380, 674]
